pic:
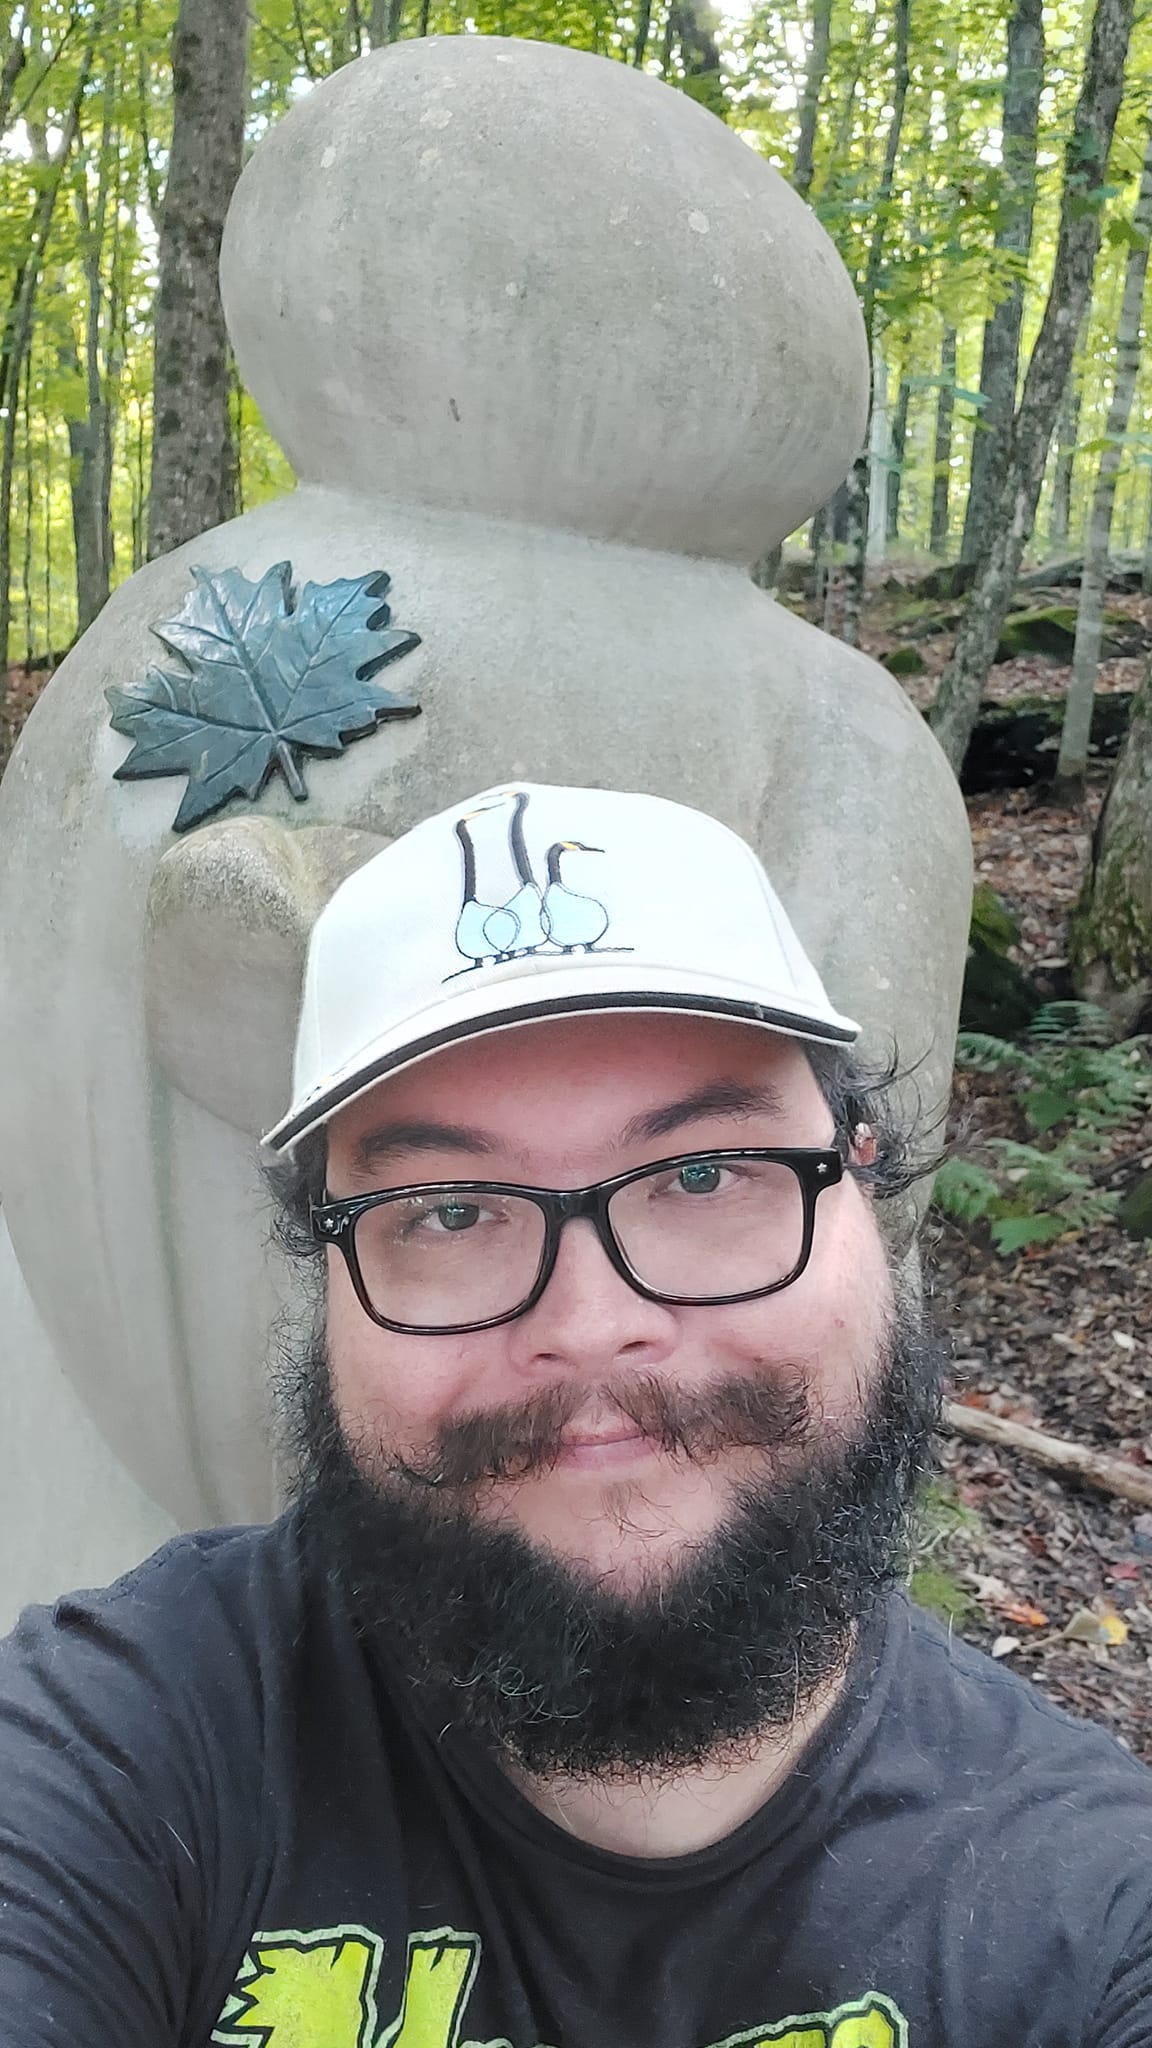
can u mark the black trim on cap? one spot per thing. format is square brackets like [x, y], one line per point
[495, 1020]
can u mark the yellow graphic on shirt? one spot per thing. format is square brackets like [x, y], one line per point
[300, 1990]
[319, 1990]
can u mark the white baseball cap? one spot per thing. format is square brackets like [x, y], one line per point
[527, 902]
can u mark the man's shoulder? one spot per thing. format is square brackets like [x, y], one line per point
[215, 1601]
[965, 1723]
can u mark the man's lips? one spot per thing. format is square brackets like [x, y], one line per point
[588, 1447]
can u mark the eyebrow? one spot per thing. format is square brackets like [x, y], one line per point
[418, 1135]
[716, 1098]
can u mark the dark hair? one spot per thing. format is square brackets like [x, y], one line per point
[295, 1180]
[856, 1091]
[884, 1095]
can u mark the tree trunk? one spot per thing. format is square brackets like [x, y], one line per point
[1072, 765]
[18, 335]
[879, 461]
[1111, 931]
[804, 165]
[696, 26]
[384, 22]
[942, 452]
[87, 442]
[851, 590]
[962, 682]
[1067, 433]
[1146, 578]
[896, 473]
[858, 544]
[15, 58]
[643, 31]
[1000, 361]
[191, 456]
[89, 436]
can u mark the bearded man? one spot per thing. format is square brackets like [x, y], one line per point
[575, 1698]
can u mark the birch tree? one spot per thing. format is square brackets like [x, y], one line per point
[896, 472]
[958, 698]
[192, 472]
[1000, 360]
[942, 444]
[1072, 765]
[90, 428]
[858, 483]
[1064, 453]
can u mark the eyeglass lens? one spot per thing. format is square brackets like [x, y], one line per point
[706, 1229]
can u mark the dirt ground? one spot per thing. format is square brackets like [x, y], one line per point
[22, 690]
[1059, 1338]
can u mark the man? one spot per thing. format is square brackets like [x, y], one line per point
[574, 1700]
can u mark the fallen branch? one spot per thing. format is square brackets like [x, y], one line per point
[1096, 1468]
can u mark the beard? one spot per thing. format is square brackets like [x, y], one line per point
[551, 1670]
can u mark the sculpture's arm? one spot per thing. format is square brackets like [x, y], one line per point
[230, 911]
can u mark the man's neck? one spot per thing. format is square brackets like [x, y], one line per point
[676, 1815]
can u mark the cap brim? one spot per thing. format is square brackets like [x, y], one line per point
[572, 991]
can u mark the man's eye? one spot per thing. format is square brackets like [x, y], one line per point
[455, 1215]
[700, 1177]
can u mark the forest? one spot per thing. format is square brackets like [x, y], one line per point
[984, 168]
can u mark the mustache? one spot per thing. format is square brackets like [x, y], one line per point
[520, 1440]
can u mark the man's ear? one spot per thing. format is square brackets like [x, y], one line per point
[863, 1145]
[230, 911]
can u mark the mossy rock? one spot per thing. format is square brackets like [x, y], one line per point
[904, 661]
[1051, 630]
[1135, 1212]
[998, 996]
[993, 925]
[922, 617]
[1125, 571]
[951, 579]
[1015, 743]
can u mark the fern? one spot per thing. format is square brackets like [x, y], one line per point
[1075, 1088]
[984, 1054]
[966, 1191]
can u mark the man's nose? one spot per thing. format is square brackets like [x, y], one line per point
[589, 1316]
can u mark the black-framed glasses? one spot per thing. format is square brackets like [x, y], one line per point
[444, 1257]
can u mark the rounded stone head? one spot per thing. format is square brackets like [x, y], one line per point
[511, 278]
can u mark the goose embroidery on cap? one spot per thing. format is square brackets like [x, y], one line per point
[555, 918]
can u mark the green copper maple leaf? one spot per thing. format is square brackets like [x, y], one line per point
[268, 674]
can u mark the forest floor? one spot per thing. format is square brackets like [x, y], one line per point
[1049, 1574]
[24, 686]
[1060, 1339]
[1053, 1576]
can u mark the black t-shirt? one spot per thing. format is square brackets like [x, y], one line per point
[219, 1823]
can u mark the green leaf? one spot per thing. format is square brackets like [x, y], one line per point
[267, 675]
[1047, 1107]
[966, 1191]
[1013, 1233]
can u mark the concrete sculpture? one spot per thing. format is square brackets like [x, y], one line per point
[560, 356]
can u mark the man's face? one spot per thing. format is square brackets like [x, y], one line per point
[561, 1105]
